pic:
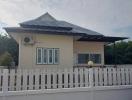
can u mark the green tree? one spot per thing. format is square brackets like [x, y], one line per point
[8, 44]
[6, 59]
[122, 55]
[128, 53]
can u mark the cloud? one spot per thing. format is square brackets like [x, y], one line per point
[127, 30]
[99, 15]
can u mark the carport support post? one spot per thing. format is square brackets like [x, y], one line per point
[114, 52]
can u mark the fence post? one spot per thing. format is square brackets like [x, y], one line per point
[91, 84]
[5, 81]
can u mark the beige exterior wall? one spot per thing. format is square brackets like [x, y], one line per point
[27, 53]
[69, 48]
[88, 47]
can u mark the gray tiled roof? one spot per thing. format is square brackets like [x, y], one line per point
[46, 24]
[47, 20]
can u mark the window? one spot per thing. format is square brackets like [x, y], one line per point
[96, 58]
[56, 56]
[39, 56]
[47, 55]
[84, 58]
[50, 56]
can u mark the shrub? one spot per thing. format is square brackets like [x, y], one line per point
[6, 59]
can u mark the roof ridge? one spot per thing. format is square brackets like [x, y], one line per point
[46, 17]
[49, 21]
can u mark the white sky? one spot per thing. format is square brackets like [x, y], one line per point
[109, 17]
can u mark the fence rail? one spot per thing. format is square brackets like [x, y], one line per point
[35, 79]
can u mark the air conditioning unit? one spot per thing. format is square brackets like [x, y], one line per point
[28, 40]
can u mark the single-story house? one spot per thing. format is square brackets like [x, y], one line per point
[48, 42]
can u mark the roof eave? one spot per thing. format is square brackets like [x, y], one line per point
[84, 36]
[9, 30]
[109, 39]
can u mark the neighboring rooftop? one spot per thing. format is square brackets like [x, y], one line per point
[48, 24]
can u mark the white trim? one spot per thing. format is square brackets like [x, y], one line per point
[52, 56]
[57, 56]
[37, 56]
[45, 55]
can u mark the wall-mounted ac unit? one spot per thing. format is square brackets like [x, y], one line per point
[28, 40]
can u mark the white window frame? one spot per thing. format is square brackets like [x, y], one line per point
[45, 55]
[89, 56]
[41, 55]
[52, 56]
[57, 56]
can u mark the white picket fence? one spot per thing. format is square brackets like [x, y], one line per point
[35, 79]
